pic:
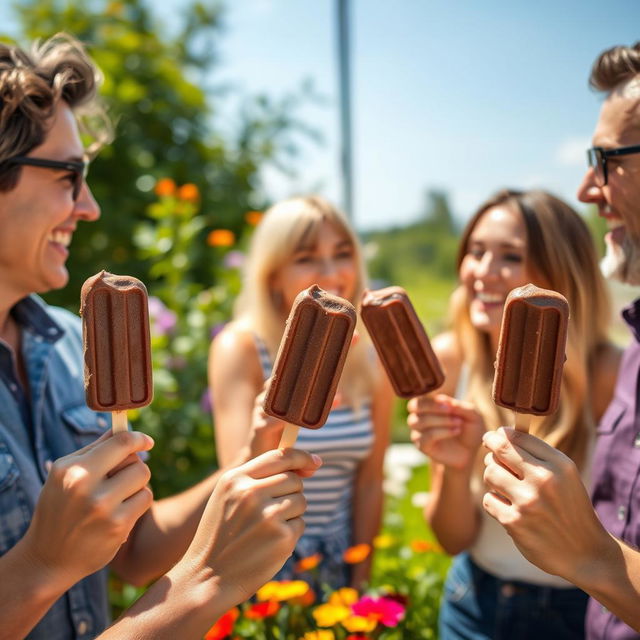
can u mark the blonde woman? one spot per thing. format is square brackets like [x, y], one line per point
[514, 238]
[300, 242]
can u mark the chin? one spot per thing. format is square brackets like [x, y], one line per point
[622, 263]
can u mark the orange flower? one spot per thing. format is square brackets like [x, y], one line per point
[356, 554]
[344, 597]
[305, 600]
[165, 187]
[189, 192]
[308, 563]
[423, 546]
[253, 217]
[221, 238]
[224, 626]
[262, 610]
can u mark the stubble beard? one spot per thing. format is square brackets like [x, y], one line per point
[622, 262]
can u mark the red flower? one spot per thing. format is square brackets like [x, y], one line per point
[387, 611]
[224, 626]
[262, 610]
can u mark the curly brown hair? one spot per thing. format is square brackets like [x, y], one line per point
[33, 83]
[615, 66]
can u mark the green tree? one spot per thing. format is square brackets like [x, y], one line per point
[160, 90]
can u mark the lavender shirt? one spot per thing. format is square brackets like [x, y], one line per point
[616, 472]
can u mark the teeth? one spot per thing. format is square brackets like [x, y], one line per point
[61, 237]
[489, 297]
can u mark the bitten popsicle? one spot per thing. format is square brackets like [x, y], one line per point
[310, 360]
[401, 342]
[531, 353]
[117, 345]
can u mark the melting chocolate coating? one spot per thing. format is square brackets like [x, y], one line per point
[531, 352]
[401, 342]
[117, 343]
[310, 358]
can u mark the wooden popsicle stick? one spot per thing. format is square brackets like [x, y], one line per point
[522, 421]
[119, 421]
[289, 436]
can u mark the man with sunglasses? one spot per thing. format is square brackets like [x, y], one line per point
[534, 490]
[74, 498]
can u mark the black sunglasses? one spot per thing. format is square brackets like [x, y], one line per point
[78, 169]
[597, 159]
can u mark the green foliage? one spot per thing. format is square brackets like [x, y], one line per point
[430, 244]
[159, 90]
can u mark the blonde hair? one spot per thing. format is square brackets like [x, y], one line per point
[286, 227]
[561, 256]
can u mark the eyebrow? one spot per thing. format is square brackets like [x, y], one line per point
[502, 245]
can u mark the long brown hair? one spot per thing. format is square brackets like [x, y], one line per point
[561, 256]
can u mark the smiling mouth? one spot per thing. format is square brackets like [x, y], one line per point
[489, 298]
[60, 237]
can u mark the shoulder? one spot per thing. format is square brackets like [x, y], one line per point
[605, 365]
[234, 340]
[234, 352]
[447, 349]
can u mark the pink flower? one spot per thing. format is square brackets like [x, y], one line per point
[389, 612]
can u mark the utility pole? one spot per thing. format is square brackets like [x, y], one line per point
[344, 75]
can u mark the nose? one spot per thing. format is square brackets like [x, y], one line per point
[487, 266]
[85, 207]
[589, 191]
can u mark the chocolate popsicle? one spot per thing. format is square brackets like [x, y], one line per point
[531, 353]
[401, 342]
[117, 345]
[310, 360]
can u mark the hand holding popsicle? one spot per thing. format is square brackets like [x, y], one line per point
[117, 345]
[531, 353]
[309, 362]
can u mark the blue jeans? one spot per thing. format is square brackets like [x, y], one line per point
[478, 606]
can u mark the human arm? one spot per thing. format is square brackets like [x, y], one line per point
[87, 508]
[368, 493]
[536, 493]
[249, 528]
[449, 431]
[235, 379]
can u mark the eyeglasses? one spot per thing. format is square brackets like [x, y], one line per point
[597, 159]
[78, 169]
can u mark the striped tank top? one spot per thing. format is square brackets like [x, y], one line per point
[343, 442]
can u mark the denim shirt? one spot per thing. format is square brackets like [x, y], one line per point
[616, 473]
[53, 420]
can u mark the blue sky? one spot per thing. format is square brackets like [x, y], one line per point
[467, 96]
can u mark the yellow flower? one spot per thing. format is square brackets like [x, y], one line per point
[283, 591]
[318, 635]
[253, 217]
[383, 541]
[326, 615]
[359, 624]
[344, 597]
[189, 192]
[221, 238]
[308, 563]
[165, 187]
[356, 554]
